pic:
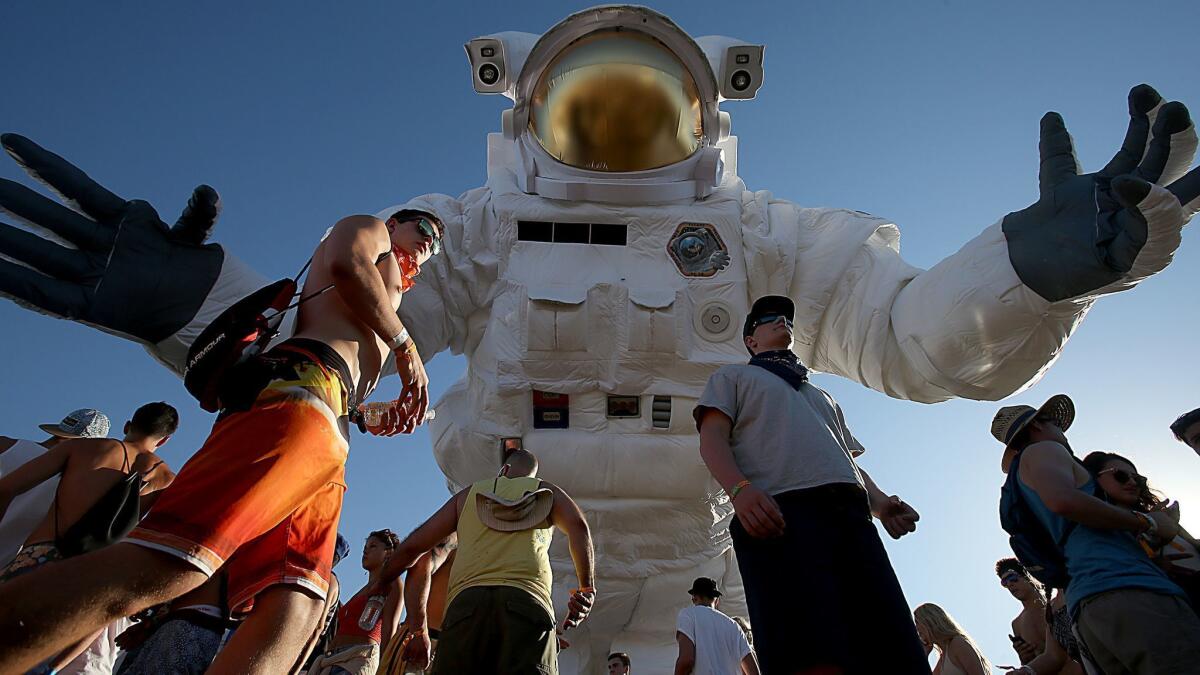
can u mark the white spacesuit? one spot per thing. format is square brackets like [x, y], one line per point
[602, 274]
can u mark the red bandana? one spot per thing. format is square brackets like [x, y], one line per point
[409, 267]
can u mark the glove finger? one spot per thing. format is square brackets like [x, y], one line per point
[1173, 144]
[64, 178]
[199, 217]
[41, 293]
[42, 212]
[1187, 191]
[1128, 230]
[1142, 99]
[43, 254]
[1057, 153]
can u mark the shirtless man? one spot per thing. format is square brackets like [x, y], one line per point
[1029, 627]
[263, 495]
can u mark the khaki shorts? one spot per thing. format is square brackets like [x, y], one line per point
[1138, 631]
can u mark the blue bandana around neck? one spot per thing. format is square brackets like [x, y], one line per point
[783, 363]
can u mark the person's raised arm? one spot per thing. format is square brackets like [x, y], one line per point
[353, 248]
[33, 472]
[418, 651]
[568, 518]
[686, 661]
[1048, 469]
[439, 526]
[757, 510]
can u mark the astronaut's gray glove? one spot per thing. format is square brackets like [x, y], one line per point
[1086, 231]
[130, 273]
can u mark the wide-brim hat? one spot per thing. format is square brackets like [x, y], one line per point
[512, 515]
[1010, 420]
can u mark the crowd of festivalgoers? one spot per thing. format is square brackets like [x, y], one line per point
[114, 563]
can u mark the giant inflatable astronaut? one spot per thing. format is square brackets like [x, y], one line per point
[601, 275]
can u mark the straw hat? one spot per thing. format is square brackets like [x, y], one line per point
[512, 515]
[1009, 422]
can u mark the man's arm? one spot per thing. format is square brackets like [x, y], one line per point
[897, 517]
[1048, 469]
[156, 475]
[686, 660]
[749, 664]
[439, 526]
[391, 611]
[33, 472]
[757, 510]
[353, 250]
[418, 651]
[568, 518]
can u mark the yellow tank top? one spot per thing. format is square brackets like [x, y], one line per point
[489, 558]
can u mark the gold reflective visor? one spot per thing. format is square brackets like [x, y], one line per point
[616, 101]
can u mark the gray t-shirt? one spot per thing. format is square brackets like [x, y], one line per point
[783, 438]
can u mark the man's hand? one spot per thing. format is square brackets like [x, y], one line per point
[897, 517]
[414, 396]
[1025, 651]
[130, 273]
[418, 650]
[1086, 231]
[578, 607]
[759, 513]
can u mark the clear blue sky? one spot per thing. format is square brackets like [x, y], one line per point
[924, 113]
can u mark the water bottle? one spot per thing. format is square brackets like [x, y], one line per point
[373, 412]
[371, 612]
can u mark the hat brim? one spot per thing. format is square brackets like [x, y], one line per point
[489, 509]
[1059, 406]
[55, 430]
[706, 593]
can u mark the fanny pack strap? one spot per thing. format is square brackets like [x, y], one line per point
[305, 298]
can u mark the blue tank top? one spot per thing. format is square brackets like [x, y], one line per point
[1098, 560]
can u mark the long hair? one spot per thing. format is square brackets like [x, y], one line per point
[943, 629]
[1148, 499]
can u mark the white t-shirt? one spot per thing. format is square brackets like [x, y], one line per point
[100, 658]
[720, 643]
[27, 510]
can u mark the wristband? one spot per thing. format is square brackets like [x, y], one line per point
[1151, 525]
[398, 340]
[737, 488]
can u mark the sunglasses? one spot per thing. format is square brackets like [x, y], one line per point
[1009, 579]
[1124, 477]
[427, 229]
[772, 318]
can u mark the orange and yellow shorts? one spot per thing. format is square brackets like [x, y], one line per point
[263, 495]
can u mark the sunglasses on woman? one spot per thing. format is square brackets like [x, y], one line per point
[1124, 477]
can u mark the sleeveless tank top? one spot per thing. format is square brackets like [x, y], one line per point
[349, 615]
[489, 558]
[1098, 560]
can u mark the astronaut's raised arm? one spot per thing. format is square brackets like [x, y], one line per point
[968, 327]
